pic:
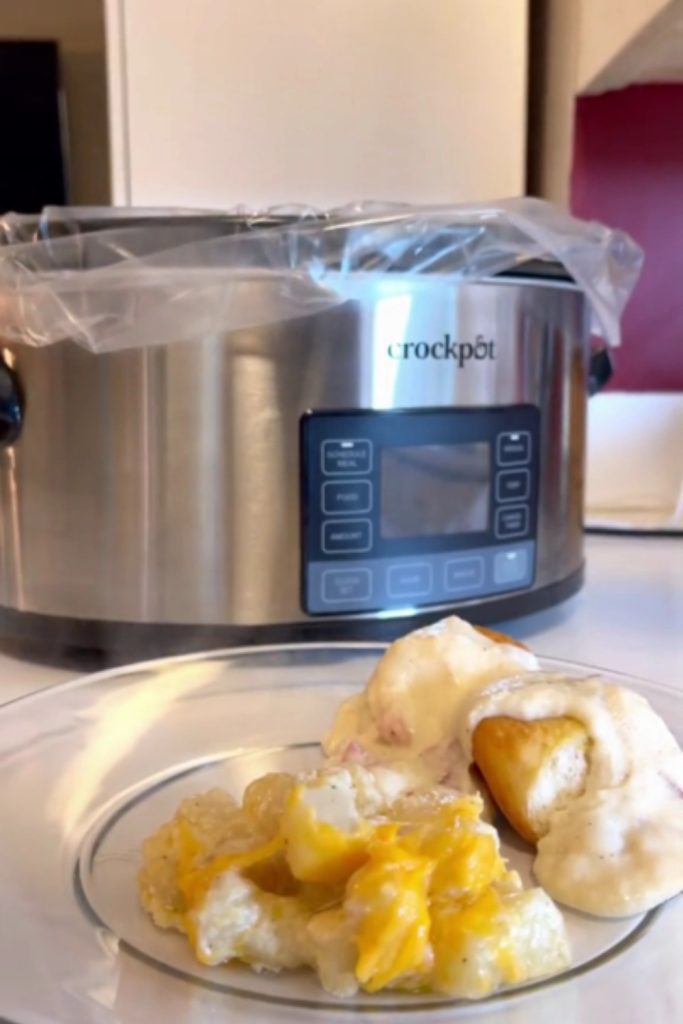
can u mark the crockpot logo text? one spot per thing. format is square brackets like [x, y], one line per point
[460, 352]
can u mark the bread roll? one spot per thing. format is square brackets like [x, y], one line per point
[500, 638]
[531, 768]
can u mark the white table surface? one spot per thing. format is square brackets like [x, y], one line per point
[628, 617]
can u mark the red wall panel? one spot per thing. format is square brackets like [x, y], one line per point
[628, 172]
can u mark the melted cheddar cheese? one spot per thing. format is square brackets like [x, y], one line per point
[414, 896]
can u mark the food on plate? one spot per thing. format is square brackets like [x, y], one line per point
[531, 768]
[345, 871]
[379, 871]
[408, 714]
[500, 638]
[590, 771]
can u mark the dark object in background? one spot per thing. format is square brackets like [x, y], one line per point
[33, 165]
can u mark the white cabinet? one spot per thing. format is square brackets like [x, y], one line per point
[216, 102]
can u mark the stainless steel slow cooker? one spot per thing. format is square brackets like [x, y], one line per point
[416, 450]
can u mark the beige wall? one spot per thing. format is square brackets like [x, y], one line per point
[606, 29]
[78, 26]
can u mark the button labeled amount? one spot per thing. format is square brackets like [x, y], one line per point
[464, 575]
[346, 536]
[346, 586]
[414, 579]
[513, 485]
[352, 496]
[514, 448]
[343, 456]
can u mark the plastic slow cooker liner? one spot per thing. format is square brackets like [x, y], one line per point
[115, 279]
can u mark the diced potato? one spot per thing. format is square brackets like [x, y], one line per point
[387, 901]
[325, 837]
[266, 798]
[416, 897]
[496, 940]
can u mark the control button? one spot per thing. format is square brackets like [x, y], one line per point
[342, 456]
[346, 536]
[512, 521]
[511, 566]
[413, 579]
[514, 448]
[464, 575]
[346, 586]
[513, 485]
[352, 496]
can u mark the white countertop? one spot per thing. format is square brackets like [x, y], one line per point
[628, 617]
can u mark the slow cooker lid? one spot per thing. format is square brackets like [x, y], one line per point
[111, 279]
[57, 222]
[174, 228]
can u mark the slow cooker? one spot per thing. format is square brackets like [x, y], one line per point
[415, 449]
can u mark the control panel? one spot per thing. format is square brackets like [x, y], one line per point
[413, 508]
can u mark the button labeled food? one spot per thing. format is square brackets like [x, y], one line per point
[464, 575]
[346, 496]
[346, 586]
[411, 579]
[513, 485]
[346, 536]
[514, 448]
[511, 566]
[512, 521]
[346, 455]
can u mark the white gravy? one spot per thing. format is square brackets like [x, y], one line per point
[408, 714]
[617, 848]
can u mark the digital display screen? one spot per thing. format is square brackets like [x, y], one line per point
[434, 489]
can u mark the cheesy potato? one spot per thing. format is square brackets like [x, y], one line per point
[354, 873]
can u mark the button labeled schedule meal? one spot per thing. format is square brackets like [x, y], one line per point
[346, 455]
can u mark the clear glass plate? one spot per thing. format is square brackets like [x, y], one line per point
[91, 767]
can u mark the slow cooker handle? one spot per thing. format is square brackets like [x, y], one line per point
[600, 369]
[11, 406]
